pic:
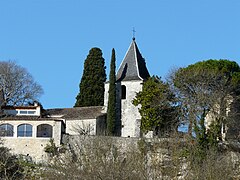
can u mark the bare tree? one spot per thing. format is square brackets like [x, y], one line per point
[98, 157]
[17, 84]
[82, 128]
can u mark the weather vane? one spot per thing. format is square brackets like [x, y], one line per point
[133, 33]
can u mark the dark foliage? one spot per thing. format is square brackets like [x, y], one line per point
[158, 108]
[92, 82]
[10, 167]
[111, 111]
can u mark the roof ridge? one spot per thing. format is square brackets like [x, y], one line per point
[133, 66]
[76, 107]
[136, 59]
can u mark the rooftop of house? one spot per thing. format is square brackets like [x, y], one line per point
[76, 112]
[133, 66]
[25, 118]
[18, 107]
[34, 113]
[32, 110]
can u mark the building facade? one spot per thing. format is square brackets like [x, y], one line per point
[26, 132]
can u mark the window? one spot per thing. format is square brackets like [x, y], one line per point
[44, 130]
[24, 130]
[6, 130]
[123, 87]
[27, 112]
[23, 112]
[31, 112]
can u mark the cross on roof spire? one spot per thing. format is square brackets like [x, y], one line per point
[133, 66]
[133, 33]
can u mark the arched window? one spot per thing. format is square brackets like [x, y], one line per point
[6, 130]
[123, 88]
[24, 130]
[44, 130]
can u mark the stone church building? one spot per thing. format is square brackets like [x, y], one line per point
[26, 130]
[130, 76]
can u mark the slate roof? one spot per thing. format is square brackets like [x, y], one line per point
[133, 66]
[77, 112]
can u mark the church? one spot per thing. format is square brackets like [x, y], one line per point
[130, 76]
[27, 130]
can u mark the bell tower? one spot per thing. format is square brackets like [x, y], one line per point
[129, 79]
[130, 76]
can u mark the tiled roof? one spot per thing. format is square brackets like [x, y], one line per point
[133, 66]
[18, 107]
[76, 112]
[60, 113]
[27, 118]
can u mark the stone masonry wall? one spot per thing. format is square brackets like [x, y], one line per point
[155, 158]
[130, 117]
[32, 147]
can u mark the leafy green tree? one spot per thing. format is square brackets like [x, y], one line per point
[206, 86]
[111, 110]
[158, 110]
[92, 82]
[51, 148]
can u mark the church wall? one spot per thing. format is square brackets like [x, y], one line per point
[130, 117]
[106, 87]
[85, 126]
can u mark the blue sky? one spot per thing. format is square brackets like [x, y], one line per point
[52, 38]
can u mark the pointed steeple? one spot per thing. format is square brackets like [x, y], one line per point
[133, 66]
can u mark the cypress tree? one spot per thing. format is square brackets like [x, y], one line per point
[92, 82]
[111, 110]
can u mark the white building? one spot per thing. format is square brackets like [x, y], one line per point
[26, 132]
